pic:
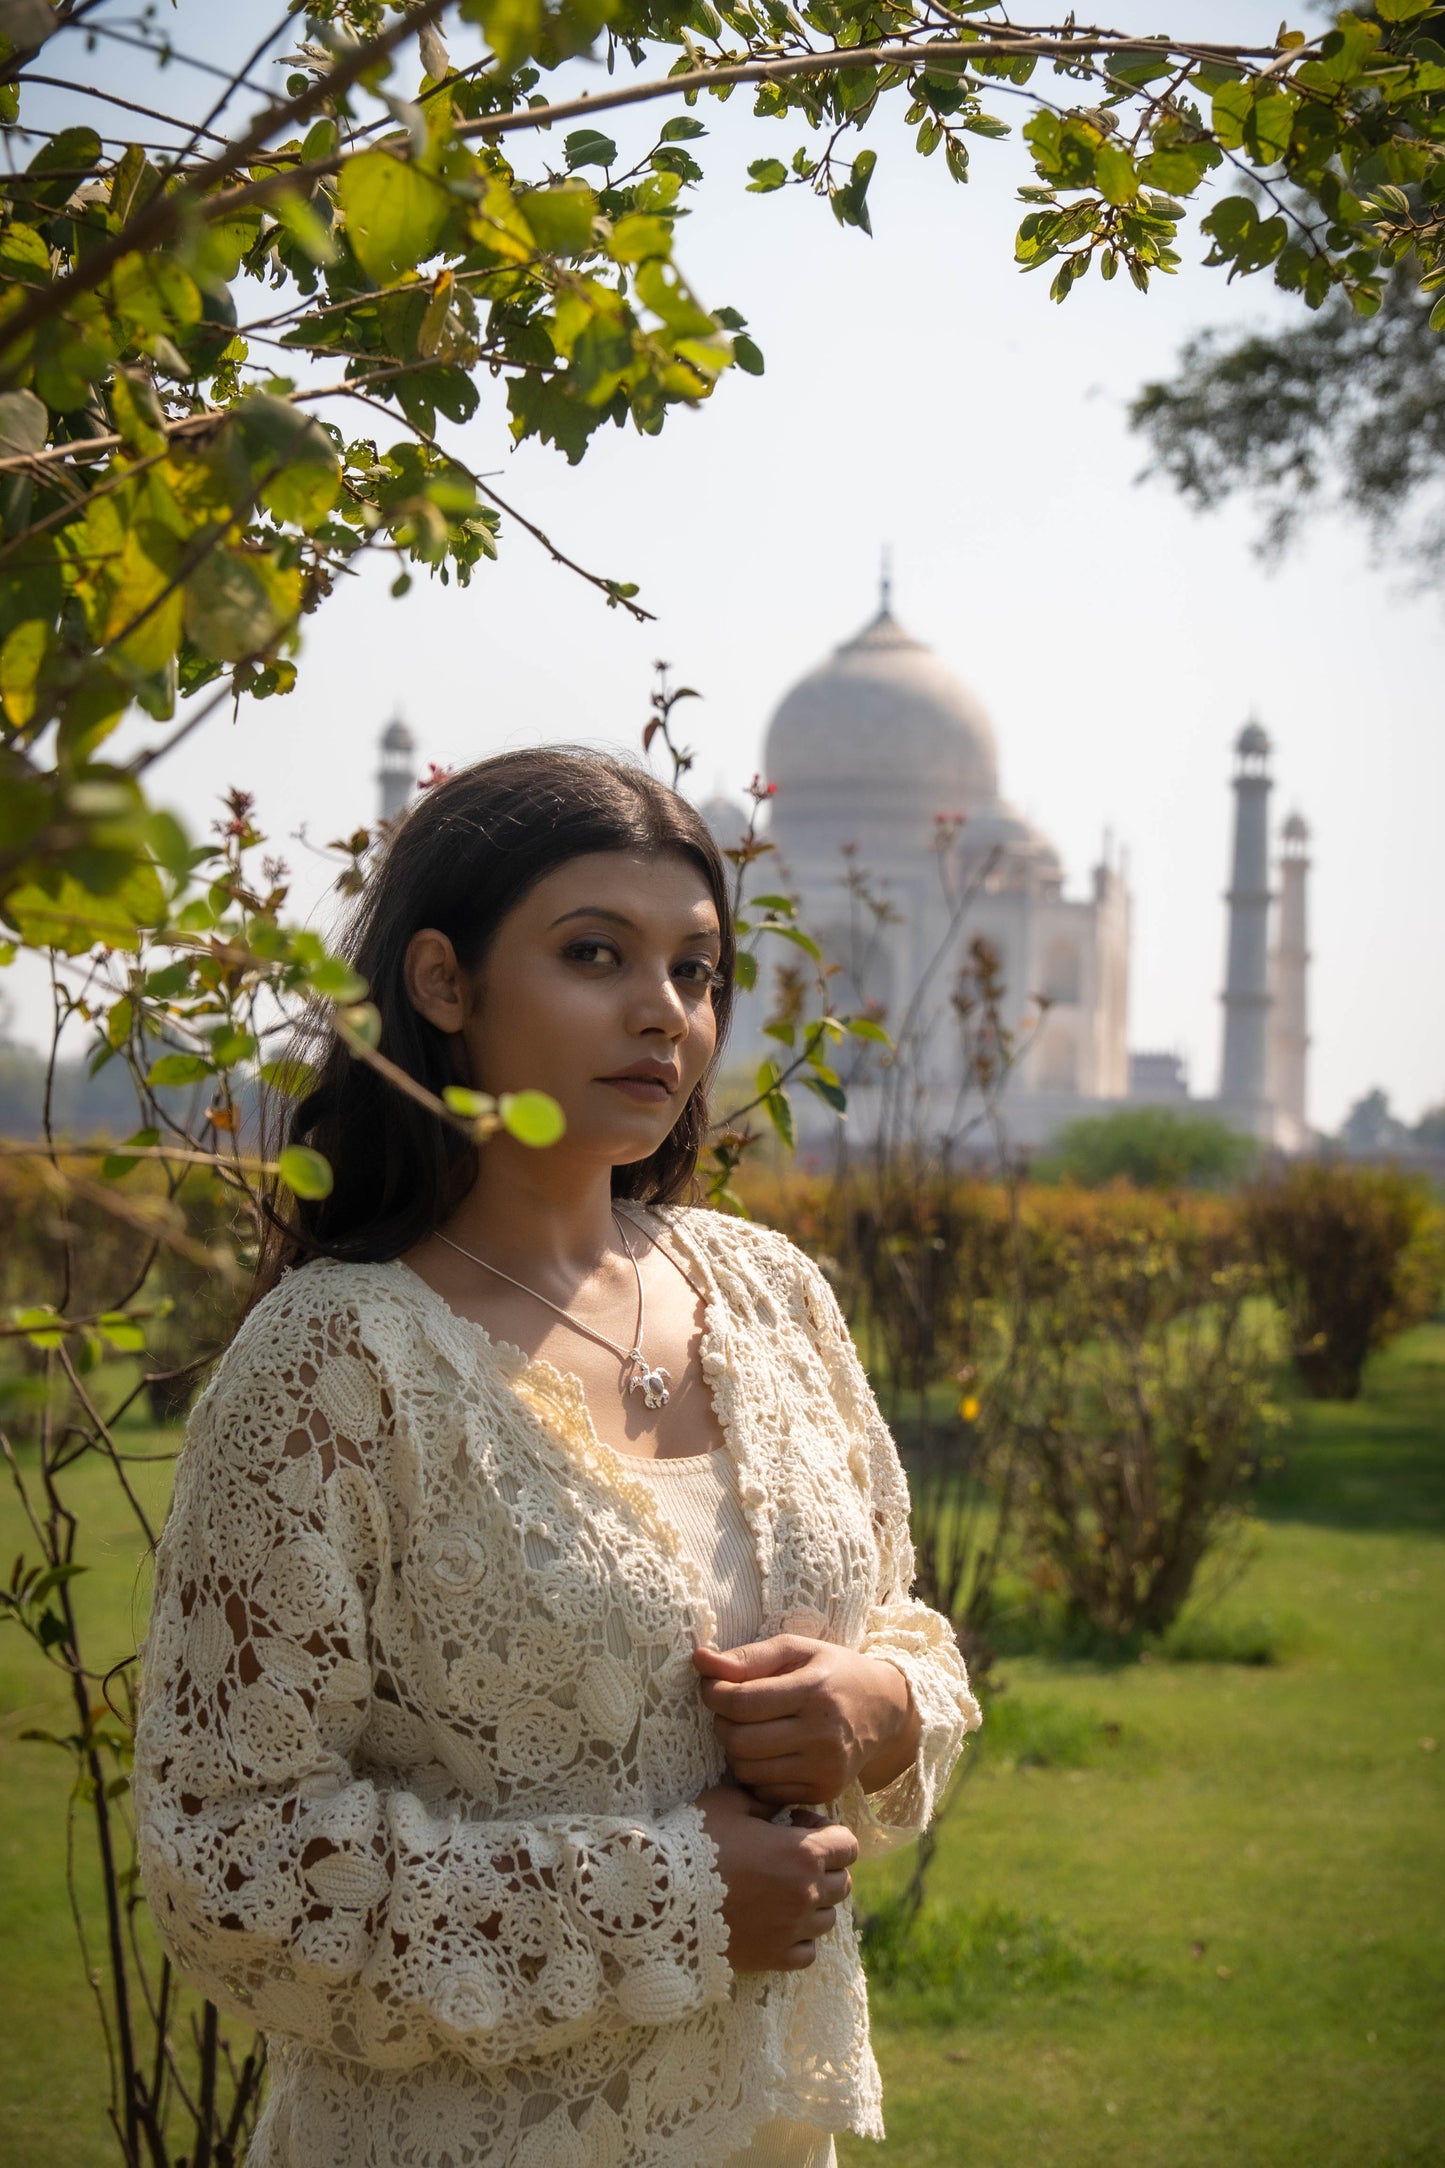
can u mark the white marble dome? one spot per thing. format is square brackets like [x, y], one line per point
[886, 722]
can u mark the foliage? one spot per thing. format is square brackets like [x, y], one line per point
[1092, 1361]
[1372, 1126]
[1140, 1407]
[1340, 409]
[1152, 1147]
[1353, 1256]
[174, 510]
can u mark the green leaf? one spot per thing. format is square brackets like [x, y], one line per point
[239, 603]
[293, 457]
[71, 919]
[472, 1106]
[531, 1117]
[747, 356]
[292, 1078]
[41, 1325]
[24, 423]
[560, 217]
[795, 934]
[779, 1110]
[54, 1577]
[153, 294]
[682, 129]
[588, 147]
[512, 28]
[1267, 129]
[230, 1046]
[64, 155]
[767, 174]
[115, 1165]
[304, 1172]
[121, 1332]
[638, 236]
[1231, 103]
[364, 1019]
[334, 979]
[1177, 171]
[745, 965]
[866, 1027]
[849, 203]
[178, 1069]
[302, 221]
[394, 214]
[833, 1094]
[20, 661]
[1114, 174]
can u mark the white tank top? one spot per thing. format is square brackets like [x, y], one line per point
[698, 1496]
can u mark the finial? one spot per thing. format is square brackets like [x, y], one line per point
[885, 583]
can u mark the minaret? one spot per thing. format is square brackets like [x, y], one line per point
[396, 777]
[1243, 1079]
[1289, 1017]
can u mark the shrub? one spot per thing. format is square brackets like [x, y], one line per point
[1152, 1147]
[81, 1257]
[1091, 1359]
[1139, 1397]
[1353, 1256]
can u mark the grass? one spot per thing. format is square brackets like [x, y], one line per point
[1229, 1869]
[1186, 1913]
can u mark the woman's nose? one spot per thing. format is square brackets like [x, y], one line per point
[663, 1007]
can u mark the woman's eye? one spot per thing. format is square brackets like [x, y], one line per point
[701, 972]
[588, 952]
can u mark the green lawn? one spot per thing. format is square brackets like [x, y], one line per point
[1202, 1904]
[1238, 1895]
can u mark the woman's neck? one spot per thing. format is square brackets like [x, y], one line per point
[536, 1209]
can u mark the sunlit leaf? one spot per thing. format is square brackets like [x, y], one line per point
[393, 213]
[531, 1117]
[305, 1172]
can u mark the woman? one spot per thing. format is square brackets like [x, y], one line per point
[532, 1652]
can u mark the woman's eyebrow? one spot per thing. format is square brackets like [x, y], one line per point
[620, 918]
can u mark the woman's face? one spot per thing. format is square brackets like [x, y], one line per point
[598, 989]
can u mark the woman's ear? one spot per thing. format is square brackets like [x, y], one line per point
[434, 983]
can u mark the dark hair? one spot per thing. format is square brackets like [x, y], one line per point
[462, 857]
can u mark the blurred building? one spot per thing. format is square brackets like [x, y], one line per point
[396, 777]
[891, 828]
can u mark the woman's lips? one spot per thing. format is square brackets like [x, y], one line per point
[650, 1090]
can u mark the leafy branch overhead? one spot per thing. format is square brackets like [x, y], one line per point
[232, 370]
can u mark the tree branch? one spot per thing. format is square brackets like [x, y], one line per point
[161, 217]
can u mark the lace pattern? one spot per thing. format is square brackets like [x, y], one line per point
[420, 1733]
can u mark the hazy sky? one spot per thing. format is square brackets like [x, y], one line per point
[922, 392]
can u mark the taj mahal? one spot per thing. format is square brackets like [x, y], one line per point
[890, 828]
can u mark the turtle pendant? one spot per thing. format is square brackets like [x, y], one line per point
[651, 1382]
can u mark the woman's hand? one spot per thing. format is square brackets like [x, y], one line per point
[784, 1885]
[798, 1720]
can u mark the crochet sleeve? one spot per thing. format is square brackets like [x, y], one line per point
[289, 1882]
[920, 1641]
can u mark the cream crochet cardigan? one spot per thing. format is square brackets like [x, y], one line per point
[420, 1736]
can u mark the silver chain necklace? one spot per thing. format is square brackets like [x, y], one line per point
[643, 1377]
